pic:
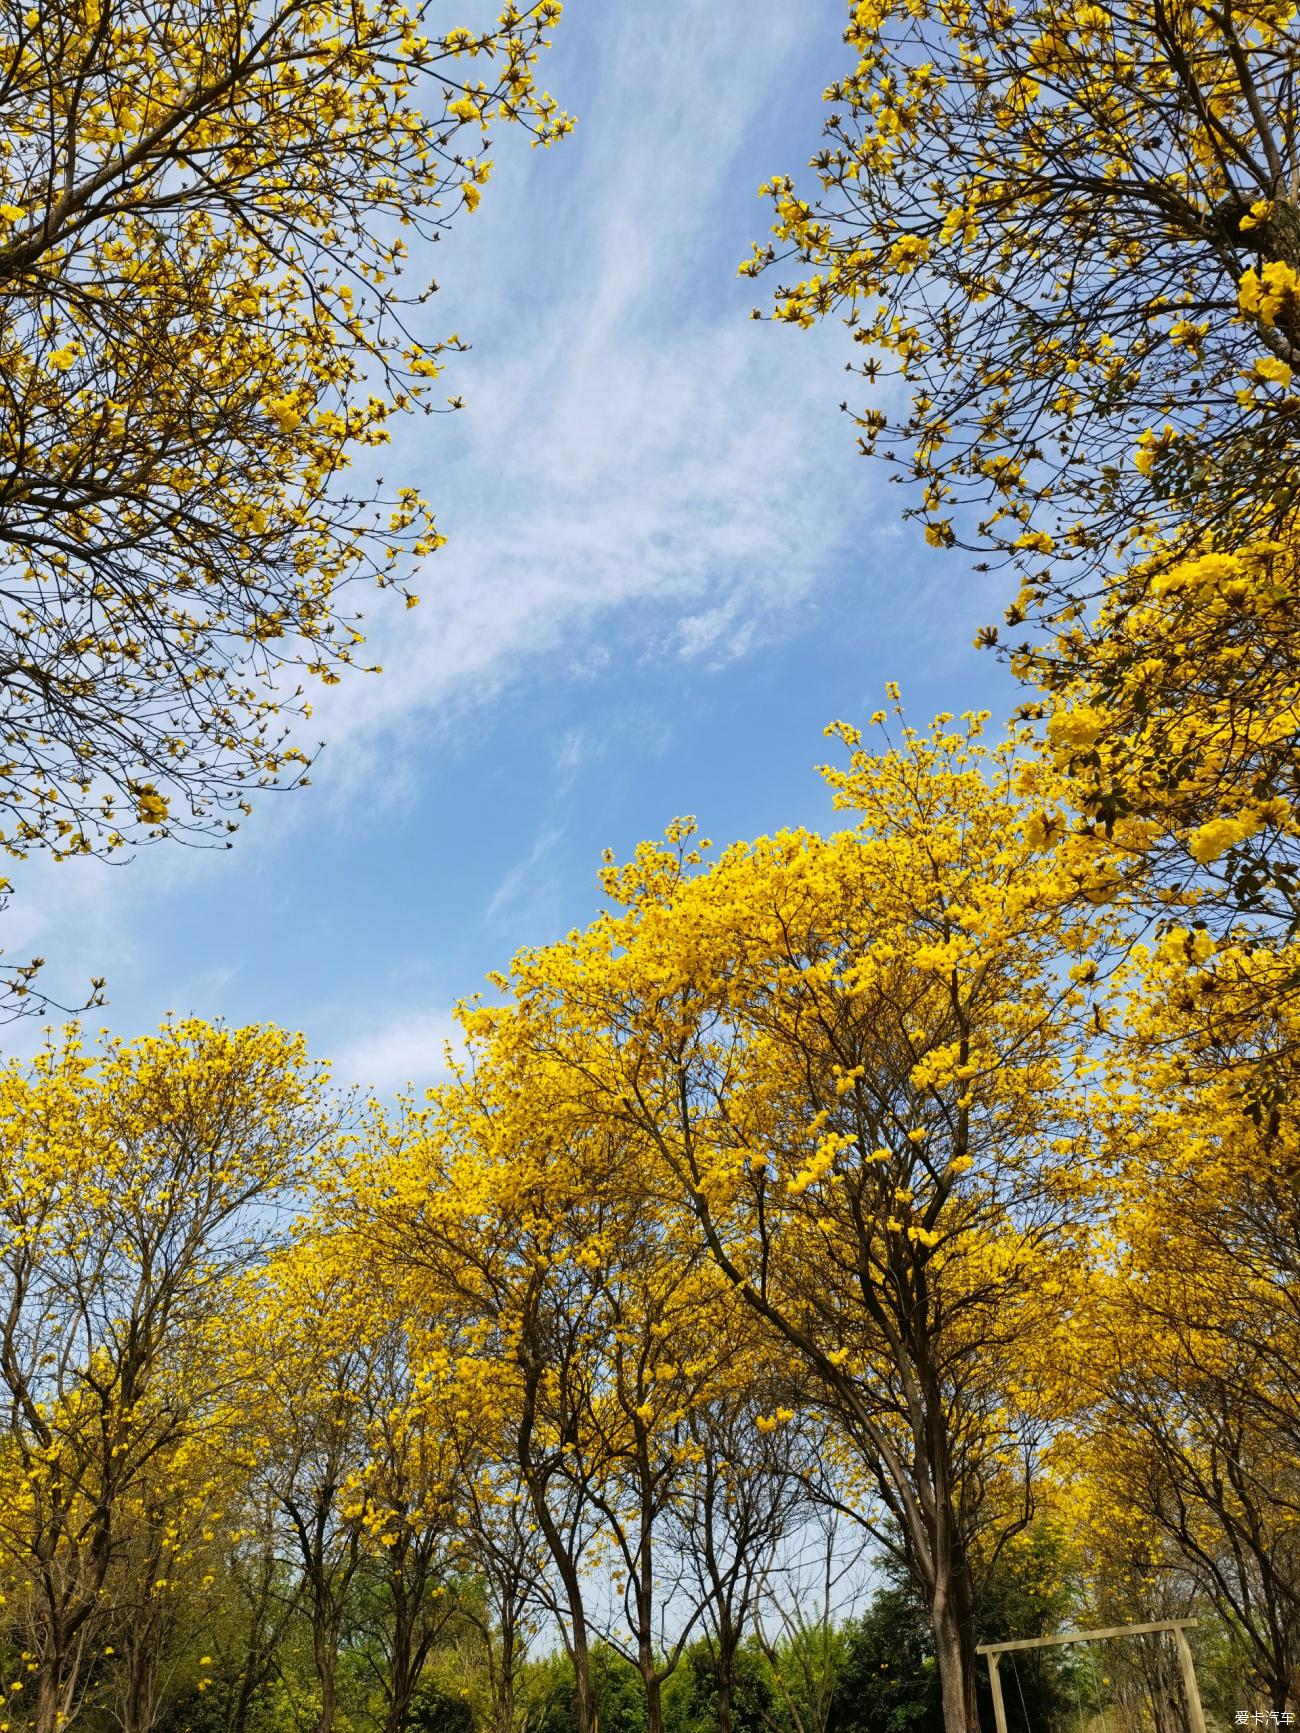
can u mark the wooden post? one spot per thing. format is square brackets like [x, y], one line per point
[1195, 1715]
[995, 1685]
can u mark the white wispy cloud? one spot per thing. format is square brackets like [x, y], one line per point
[641, 470]
[520, 879]
[409, 1047]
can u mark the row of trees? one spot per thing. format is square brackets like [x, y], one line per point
[905, 1115]
[870, 1176]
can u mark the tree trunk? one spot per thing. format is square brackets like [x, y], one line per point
[725, 1694]
[588, 1713]
[955, 1652]
[724, 1661]
[504, 1704]
[536, 1477]
[1281, 1695]
[402, 1672]
[45, 1711]
[139, 1708]
[650, 1675]
[326, 1656]
[251, 1676]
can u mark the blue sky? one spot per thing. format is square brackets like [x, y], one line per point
[667, 571]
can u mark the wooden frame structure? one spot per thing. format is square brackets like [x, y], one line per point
[995, 1652]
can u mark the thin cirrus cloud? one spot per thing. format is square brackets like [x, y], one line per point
[517, 880]
[407, 1048]
[675, 493]
[638, 463]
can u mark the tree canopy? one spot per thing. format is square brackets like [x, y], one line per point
[206, 212]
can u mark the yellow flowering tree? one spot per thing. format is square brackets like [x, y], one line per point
[587, 1330]
[1179, 708]
[160, 1593]
[1072, 232]
[260, 1602]
[1193, 1344]
[131, 1186]
[1175, 725]
[331, 1429]
[853, 1060]
[204, 215]
[472, 1198]
[744, 1502]
[496, 1544]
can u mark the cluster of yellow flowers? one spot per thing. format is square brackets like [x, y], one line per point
[1180, 707]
